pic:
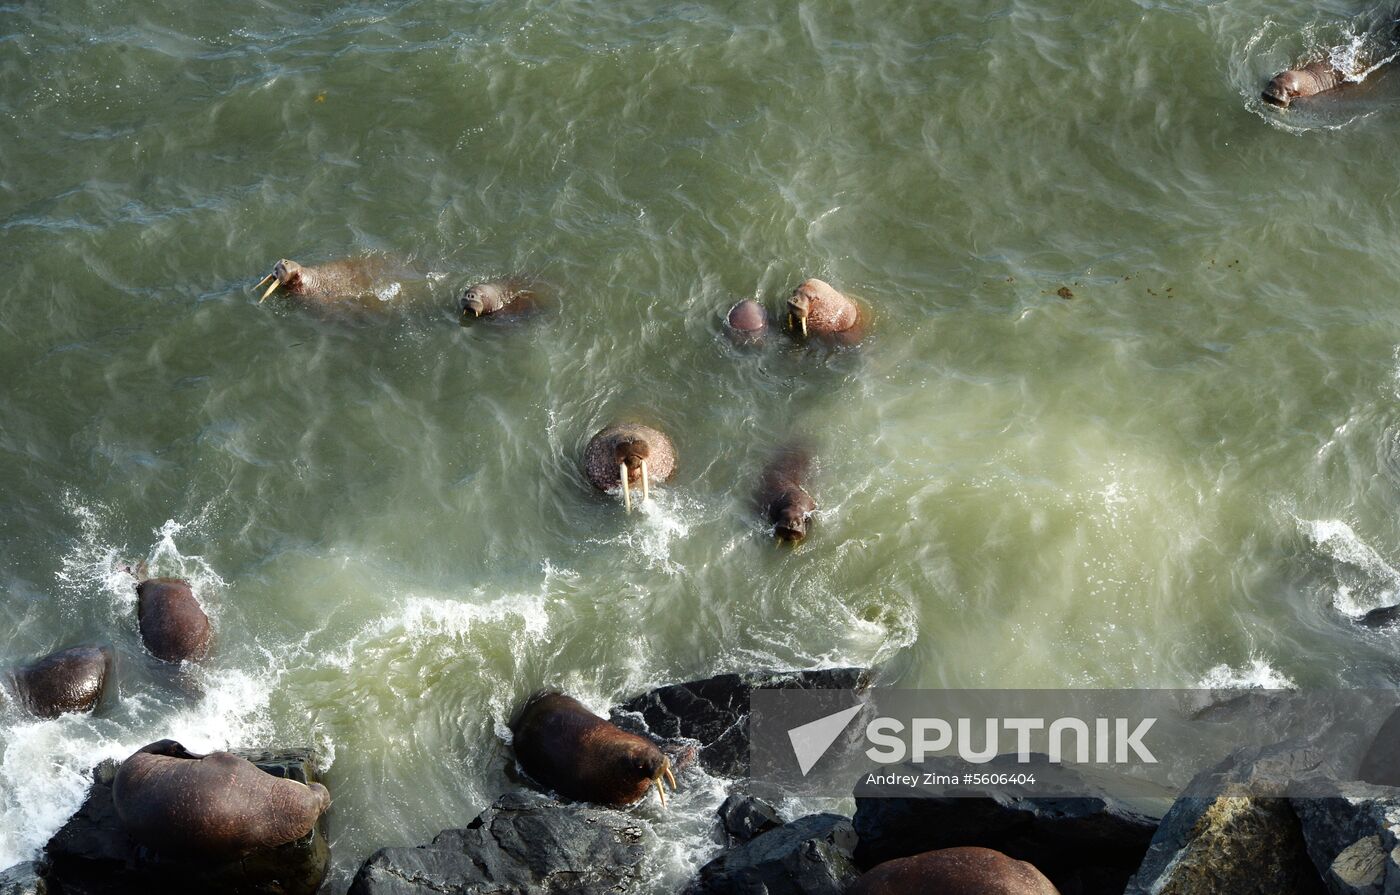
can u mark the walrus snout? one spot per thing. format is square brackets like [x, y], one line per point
[1278, 93]
[285, 274]
[799, 306]
[472, 304]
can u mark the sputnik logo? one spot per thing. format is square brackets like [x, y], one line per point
[811, 740]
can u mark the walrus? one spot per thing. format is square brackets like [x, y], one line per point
[816, 308]
[626, 455]
[215, 806]
[173, 626]
[746, 323]
[348, 282]
[1310, 80]
[966, 871]
[70, 680]
[498, 298]
[564, 746]
[781, 499]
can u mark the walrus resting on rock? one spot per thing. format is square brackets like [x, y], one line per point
[173, 626]
[349, 281]
[781, 499]
[216, 806]
[70, 680]
[816, 308]
[499, 298]
[564, 746]
[746, 323]
[1310, 80]
[627, 455]
[965, 871]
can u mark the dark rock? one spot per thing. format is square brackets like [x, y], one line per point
[1383, 617]
[525, 842]
[1084, 844]
[92, 854]
[24, 879]
[1381, 764]
[810, 856]
[743, 817]
[1352, 833]
[715, 711]
[1232, 830]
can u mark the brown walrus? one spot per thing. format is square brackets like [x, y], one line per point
[816, 308]
[626, 455]
[217, 805]
[1310, 80]
[746, 323]
[564, 746]
[70, 680]
[353, 282]
[781, 499]
[964, 871]
[498, 298]
[173, 626]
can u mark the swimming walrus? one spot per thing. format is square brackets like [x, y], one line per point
[564, 746]
[781, 498]
[965, 871]
[173, 626]
[215, 806]
[348, 282]
[628, 455]
[70, 680]
[1310, 80]
[498, 298]
[817, 308]
[746, 323]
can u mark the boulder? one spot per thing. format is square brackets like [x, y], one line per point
[525, 842]
[1086, 845]
[24, 879]
[810, 856]
[714, 712]
[744, 816]
[1352, 834]
[1381, 763]
[92, 854]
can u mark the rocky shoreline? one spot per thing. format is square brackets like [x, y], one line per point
[1229, 832]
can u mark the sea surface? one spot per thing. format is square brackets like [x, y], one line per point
[1128, 414]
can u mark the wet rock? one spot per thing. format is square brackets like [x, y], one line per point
[1381, 764]
[1084, 844]
[715, 711]
[744, 816]
[1233, 831]
[92, 854]
[525, 842]
[1383, 617]
[1352, 834]
[24, 879]
[810, 856]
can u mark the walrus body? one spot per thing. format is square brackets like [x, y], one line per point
[173, 626]
[346, 283]
[781, 498]
[218, 805]
[746, 323]
[816, 308]
[70, 680]
[499, 299]
[645, 453]
[567, 748]
[1310, 80]
[965, 871]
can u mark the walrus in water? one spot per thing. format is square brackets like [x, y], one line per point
[70, 680]
[1310, 80]
[173, 626]
[746, 323]
[347, 282]
[966, 871]
[781, 499]
[564, 746]
[628, 455]
[216, 806]
[499, 298]
[816, 308]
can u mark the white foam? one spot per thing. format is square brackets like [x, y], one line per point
[1365, 581]
[1255, 674]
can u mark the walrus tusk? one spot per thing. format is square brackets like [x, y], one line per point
[646, 483]
[660, 790]
[804, 326]
[670, 778]
[264, 280]
[626, 486]
[270, 289]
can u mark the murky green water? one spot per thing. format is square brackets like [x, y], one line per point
[1186, 473]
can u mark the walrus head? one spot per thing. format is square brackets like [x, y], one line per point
[1281, 90]
[638, 766]
[799, 306]
[631, 456]
[287, 274]
[481, 299]
[790, 515]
